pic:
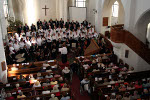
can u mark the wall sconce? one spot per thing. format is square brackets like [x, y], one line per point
[94, 11]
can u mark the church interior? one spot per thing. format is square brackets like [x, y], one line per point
[75, 50]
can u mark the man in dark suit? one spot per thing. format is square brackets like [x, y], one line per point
[26, 28]
[61, 23]
[56, 23]
[33, 28]
[85, 23]
[19, 29]
[67, 24]
[39, 23]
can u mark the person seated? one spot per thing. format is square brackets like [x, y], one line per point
[33, 66]
[135, 96]
[27, 85]
[57, 74]
[9, 97]
[112, 81]
[66, 72]
[47, 83]
[85, 81]
[18, 87]
[65, 97]
[65, 88]
[20, 96]
[46, 91]
[122, 88]
[53, 97]
[53, 82]
[126, 96]
[37, 84]
[60, 80]
[138, 85]
[105, 81]
[33, 92]
[43, 69]
[86, 66]
[94, 63]
[50, 75]
[21, 79]
[119, 97]
[39, 76]
[99, 58]
[130, 86]
[55, 89]
[145, 93]
[131, 70]
[31, 78]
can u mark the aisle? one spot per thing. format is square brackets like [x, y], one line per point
[76, 89]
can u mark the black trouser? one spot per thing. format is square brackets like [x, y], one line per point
[64, 58]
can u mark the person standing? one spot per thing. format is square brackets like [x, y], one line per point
[64, 52]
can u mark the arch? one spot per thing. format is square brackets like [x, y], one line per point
[107, 12]
[141, 25]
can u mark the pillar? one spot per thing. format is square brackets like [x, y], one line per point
[3, 32]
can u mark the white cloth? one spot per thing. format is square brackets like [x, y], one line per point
[63, 50]
[28, 34]
[21, 45]
[16, 47]
[11, 50]
[49, 39]
[54, 37]
[39, 41]
[28, 44]
[40, 31]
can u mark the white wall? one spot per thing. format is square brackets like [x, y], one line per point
[29, 11]
[133, 59]
[133, 10]
[3, 74]
[91, 4]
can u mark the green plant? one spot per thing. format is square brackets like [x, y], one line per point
[13, 25]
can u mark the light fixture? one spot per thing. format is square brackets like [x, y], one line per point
[94, 11]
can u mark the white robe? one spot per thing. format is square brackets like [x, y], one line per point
[21, 45]
[39, 41]
[28, 34]
[49, 39]
[28, 44]
[16, 47]
[11, 50]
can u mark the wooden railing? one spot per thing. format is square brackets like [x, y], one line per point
[119, 35]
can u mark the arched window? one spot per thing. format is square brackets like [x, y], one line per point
[80, 3]
[5, 7]
[115, 9]
[148, 34]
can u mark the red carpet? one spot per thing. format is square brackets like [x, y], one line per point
[76, 89]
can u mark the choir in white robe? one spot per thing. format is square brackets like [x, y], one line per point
[16, 47]
[39, 41]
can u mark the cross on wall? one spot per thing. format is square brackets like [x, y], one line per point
[45, 10]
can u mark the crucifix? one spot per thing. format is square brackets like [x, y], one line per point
[45, 9]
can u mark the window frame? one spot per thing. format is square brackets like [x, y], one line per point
[113, 9]
[6, 8]
[81, 1]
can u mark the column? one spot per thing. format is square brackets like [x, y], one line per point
[3, 32]
[65, 10]
[2, 20]
[3, 74]
[10, 6]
